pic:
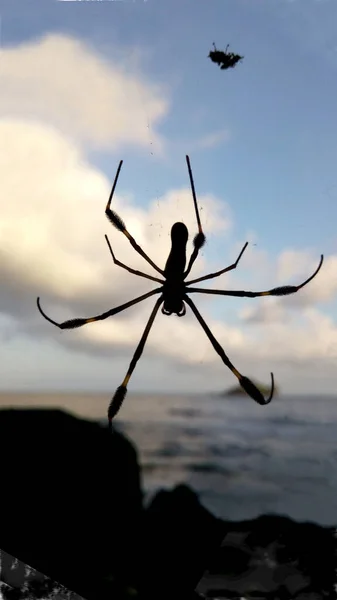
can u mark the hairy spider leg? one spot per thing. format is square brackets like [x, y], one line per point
[279, 291]
[120, 225]
[245, 383]
[133, 271]
[200, 238]
[121, 391]
[73, 323]
[211, 275]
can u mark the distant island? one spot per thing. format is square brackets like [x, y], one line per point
[238, 391]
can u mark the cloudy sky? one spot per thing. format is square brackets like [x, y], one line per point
[87, 83]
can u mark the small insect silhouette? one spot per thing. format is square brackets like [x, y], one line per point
[174, 292]
[224, 59]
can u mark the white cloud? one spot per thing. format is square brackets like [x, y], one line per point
[292, 268]
[63, 82]
[268, 310]
[212, 140]
[322, 288]
[52, 244]
[58, 95]
[208, 141]
[309, 341]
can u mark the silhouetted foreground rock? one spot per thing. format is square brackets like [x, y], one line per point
[178, 538]
[70, 499]
[71, 507]
[273, 557]
[270, 557]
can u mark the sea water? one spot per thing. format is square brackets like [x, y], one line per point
[243, 459]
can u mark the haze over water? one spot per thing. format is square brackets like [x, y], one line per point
[243, 459]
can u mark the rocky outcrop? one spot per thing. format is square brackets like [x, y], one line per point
[71, 507]
[70, 499]
[273, 557]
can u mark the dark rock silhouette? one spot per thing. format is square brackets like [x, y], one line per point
[274, 557]
[71, 507]
[179, 537]
[70, 499]
[236, 390]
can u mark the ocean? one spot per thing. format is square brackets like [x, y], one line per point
[243, 459]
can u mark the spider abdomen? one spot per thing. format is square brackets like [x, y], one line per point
[175, 264]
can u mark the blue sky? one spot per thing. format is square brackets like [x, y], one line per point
[88, 83]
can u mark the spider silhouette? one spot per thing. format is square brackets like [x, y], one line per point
[224, 59]
[174, 292]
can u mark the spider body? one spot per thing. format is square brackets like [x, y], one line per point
[174, 285]
[176, 262]
[174, 295]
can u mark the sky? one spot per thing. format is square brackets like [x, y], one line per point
[85, 84]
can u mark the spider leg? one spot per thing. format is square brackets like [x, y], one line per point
[120, 264]
[245, 383]
[211, 275]
[279, 291]
[120, 225]
[200, 238]
[120, 393]
[73, 323]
